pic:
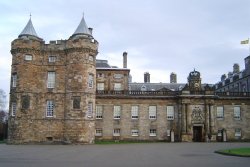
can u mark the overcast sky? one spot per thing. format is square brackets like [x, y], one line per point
[160, 36]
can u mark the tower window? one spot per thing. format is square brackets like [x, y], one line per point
[52, 59]
[90, 110]
[51, 79]
[14, 80]
[76, 102]
[50, 108]
[28, 57]
[91, 81]
[13, 108]
[25, 102]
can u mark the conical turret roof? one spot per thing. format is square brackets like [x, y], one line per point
[82, 28]
[29, 30]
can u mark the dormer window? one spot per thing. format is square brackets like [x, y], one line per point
[28, 57]
[143, 88]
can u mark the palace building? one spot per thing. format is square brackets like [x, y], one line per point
[60, 93]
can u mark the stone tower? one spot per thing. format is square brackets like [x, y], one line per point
[52, 92]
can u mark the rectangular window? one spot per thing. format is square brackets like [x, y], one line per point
[237, 133]
[90, 110]
[152, 132]
[52, 59]
[118, 86]
[14, 79]
[76, 102]
[220, 112]
[152, 112]
[134, 132]
[98, 132]
[116, 132]
[237, 112]
[134, 112]
[99, 110]
[91, 81]
[25, 102]
[50, 108]
[170, 112]
[117, 112]
[51, 79]
[100, 86]
[28, 57]
[13, 109]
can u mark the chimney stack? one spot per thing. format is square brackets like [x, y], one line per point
[125, 59]
[173, 78]
[146, 77]
[236, 68]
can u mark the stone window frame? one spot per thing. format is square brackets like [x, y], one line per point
[238, 132]
[118, 86]
[28, 57]
[220, 113]
[90, 110]
[100, 86]
[117, 112]
[237, 112]
[13, 108]
[14, 80]
[152, 112]
[25, 102]
[117, 132]
[52, 59]
[98, 132]
[99, 112]
[170, 112]
[91, 58]
[50, 108]
[153, 132]
[76, 102]
[134, 112]
[134, 132]
[91, 80]
[51, 79]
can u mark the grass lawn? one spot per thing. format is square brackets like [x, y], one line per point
[122, 142]
[243, 152]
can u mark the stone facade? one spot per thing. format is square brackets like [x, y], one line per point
[59, 92]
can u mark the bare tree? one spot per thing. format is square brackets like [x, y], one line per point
[3, 100]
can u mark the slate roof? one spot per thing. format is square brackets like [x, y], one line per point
[102, 64]
[157, 86]
[29, 30]
[82, 28]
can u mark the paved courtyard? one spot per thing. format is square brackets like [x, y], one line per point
[121, 155]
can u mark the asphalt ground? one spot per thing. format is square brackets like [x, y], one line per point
[121, 155]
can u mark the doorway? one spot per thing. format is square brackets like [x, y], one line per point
[197, 133]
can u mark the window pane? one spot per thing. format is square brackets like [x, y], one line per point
[50, 108]
[14, 79]
[117, 112]
[52, 59]
[116, 132]
[134, 132]
[99, 112]
[98, 132]
[237, 112]
[91, 81]
[13, 108]
[76, 102]
[28, 57]
[152, 112]
[220, 112]
[118, 86]
[90, 110]
[100, 86]
[152, 132]
[134, 112]
[170, 112]
[51, 80]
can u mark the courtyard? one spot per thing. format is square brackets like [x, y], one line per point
[121, 155]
